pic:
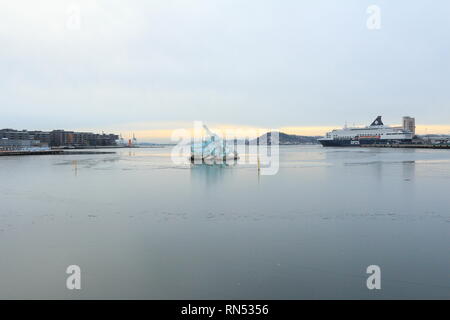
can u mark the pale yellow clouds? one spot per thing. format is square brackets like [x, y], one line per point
[162, 131]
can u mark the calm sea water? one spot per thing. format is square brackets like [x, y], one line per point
[140, 227]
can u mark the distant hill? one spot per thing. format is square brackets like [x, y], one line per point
[286, 139]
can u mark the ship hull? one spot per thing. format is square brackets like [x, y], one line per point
[359, 143]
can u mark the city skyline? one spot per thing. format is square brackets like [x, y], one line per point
[164, 135]
[161, 135]
[155, 66]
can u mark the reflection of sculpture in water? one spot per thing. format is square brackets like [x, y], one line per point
[209, 174]
[212, 150]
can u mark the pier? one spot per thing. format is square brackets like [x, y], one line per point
[50, 152]
[408, 146]
[30, 153]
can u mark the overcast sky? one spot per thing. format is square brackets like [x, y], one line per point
[151, 65]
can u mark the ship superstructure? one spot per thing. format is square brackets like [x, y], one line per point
[376, 133]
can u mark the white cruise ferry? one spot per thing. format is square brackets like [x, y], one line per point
[376, 133]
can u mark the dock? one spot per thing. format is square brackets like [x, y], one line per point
[51, 152]
[30, 153]
[88, 152]
[407, 146]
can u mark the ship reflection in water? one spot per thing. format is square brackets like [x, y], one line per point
[141, 227]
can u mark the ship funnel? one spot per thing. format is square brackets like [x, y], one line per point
[377, 122]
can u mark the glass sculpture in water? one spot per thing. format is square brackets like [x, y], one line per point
[213, 148]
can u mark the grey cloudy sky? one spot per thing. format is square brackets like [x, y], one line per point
[241, 62]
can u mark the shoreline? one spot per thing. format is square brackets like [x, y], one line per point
[50, 152]
[408, 146]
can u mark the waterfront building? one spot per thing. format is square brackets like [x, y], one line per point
[59, 138]
[14, 134]
[409, 124]
[18, 144]
[42, 136]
